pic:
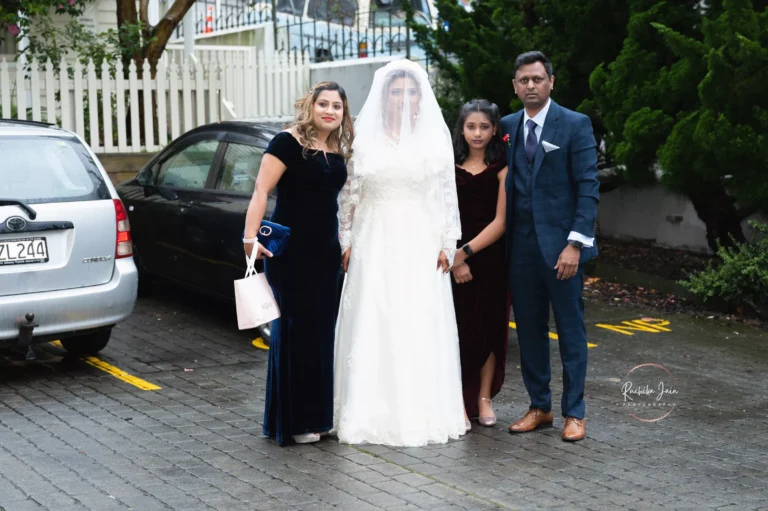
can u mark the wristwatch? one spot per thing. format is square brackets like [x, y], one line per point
[576, 244]
[467, 249]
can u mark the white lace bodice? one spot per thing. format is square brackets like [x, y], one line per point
[434, 188]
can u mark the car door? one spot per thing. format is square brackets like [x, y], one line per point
[179, 180]
[228, 206]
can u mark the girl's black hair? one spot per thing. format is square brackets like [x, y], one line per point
[494, 151]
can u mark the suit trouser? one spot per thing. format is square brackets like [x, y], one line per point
[534, 286]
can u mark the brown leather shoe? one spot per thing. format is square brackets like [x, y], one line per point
[535, 418]
[574, 429]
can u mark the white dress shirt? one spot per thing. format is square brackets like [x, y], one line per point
[539, 119]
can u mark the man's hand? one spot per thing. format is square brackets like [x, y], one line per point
[568, 263]
[462, 274]
[345, 259]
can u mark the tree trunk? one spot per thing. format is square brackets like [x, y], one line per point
[127, 14]
[718, 212]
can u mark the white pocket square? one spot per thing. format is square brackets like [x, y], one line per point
[549, 147]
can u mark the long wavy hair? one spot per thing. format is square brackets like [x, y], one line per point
[494, 151]
[306, 132]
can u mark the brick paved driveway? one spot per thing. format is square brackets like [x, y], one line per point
[73, 436]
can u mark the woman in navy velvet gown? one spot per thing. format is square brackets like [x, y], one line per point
[307, 164]
[480, 293]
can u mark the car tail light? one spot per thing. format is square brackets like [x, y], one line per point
[124, 245]
[362, 50]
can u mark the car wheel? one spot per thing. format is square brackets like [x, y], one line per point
[88, 344]
[265, 332]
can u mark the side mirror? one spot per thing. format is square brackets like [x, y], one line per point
[145, 177]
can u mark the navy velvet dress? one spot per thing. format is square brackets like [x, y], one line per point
[305, 280]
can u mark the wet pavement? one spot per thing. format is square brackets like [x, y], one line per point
[168, 416]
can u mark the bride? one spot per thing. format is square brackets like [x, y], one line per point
[397, 374]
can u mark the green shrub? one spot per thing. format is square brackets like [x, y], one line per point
[741, 277]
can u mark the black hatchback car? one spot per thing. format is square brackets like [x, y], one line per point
[187, 206]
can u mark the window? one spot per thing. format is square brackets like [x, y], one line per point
[48, 169]
[295, 7]
[189, 167]
[390, 12]
[333, 10]
[240, 167]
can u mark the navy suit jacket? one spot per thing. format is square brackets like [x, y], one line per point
[565, 188]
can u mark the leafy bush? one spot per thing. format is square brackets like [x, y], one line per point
[741, 277]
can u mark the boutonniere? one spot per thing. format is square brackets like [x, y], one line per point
[506, 140]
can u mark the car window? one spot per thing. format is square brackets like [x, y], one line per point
[189, 167]
[295, 7]
[340, 10]
[39, 169]
[240, 167]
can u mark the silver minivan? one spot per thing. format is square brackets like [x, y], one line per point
[66, 265]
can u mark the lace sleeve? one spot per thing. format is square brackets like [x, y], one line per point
[348, 199]
[450, 208]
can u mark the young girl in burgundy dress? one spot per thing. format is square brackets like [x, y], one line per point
[480, 293]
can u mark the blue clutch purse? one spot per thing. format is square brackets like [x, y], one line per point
[274, 237]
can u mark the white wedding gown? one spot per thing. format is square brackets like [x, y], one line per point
[397, 374]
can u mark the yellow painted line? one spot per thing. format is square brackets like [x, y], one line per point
[658, 324]
[653, 326]
[552, 335]
[259, 343]
[114, 371]
[120, 374]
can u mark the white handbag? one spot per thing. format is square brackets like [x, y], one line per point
[254, 300]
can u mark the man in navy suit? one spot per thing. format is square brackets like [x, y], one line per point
[552, 195]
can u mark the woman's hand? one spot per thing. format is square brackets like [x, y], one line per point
[345, 259]
[442, 260]
[261, 252]
[462, 274]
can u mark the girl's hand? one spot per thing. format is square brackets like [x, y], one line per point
[458, 259]
[462, 274]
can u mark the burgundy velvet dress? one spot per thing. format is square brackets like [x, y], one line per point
[482, 305]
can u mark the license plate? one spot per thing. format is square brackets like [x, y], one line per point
[23, 251]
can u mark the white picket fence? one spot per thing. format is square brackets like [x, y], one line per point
[140, 113]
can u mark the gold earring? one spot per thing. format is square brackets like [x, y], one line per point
[341, 130]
